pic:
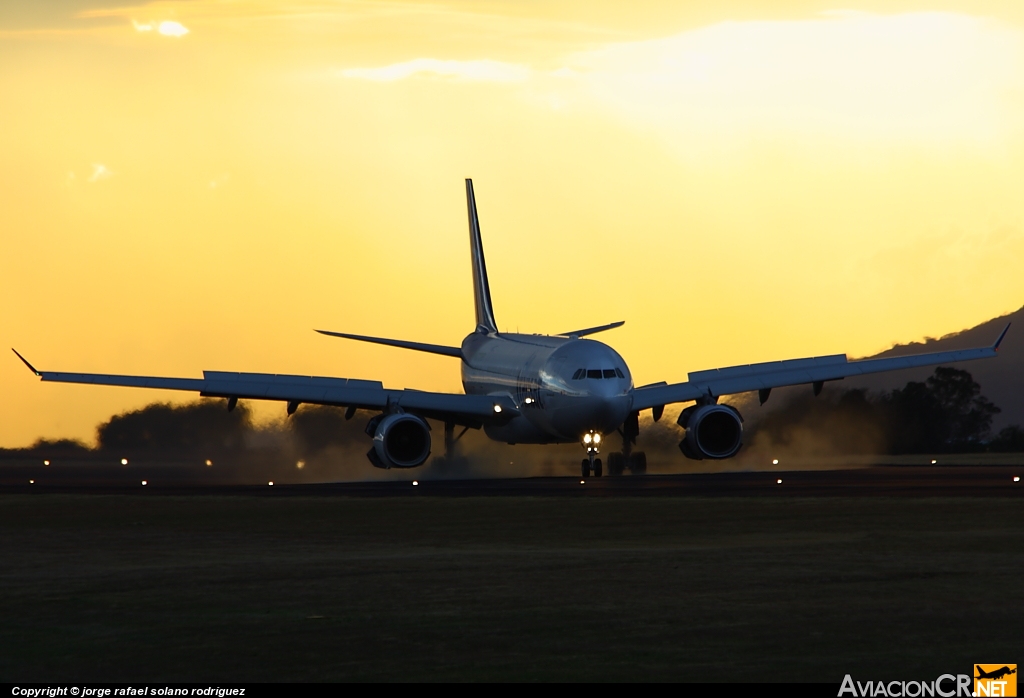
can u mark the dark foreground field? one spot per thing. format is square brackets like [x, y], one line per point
[126, 587]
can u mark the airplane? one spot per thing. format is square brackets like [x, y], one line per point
[995, 673]
[532, 388]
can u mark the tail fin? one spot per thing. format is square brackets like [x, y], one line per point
[481, 290]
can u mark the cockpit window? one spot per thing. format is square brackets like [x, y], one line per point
[582, 373]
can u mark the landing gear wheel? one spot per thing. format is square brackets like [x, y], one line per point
[638, 463]
[597, 467]
[616, 463]
[586, 467]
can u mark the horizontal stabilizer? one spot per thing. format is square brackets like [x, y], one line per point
[401, 343]
[593, 330]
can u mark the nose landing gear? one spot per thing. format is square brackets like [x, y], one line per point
[591, 464]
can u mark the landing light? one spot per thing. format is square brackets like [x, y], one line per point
[1016, 478]
[271, 483]
[497, 409]
[46, 462]
[775, 461]
[583, 482]
[144, 483]
[208, 462]
[528, 401]
[415, 483]
[779, 481]
[587, 438]
[300, 464]
[934, 461]
[597, 438]
[124, 461]
[31, 482]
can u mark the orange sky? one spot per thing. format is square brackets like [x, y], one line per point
[196, 185]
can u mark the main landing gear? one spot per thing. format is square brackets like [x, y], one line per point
[635, 461]
[450, 461]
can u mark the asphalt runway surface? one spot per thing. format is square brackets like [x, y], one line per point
[898, 481]
[895, 573]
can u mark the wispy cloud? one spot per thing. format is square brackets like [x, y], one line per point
[170, 28]
[478, 70]
[99, 173]
[165, 28]
[925, 76]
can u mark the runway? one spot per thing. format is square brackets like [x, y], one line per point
[880, 572]
[887, 481]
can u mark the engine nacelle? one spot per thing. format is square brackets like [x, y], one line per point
[712, 431]
[399, 441]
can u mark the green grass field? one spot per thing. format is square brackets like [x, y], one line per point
[245, 588]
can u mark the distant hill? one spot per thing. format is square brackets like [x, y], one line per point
[1001, 379]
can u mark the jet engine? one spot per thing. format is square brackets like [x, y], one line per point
[712, 431]
[399, 441]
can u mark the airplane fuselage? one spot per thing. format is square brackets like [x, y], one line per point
[564, 387]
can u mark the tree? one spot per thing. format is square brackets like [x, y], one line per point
[1009, 440]
[319, 426]
[200, 427]
[945, 413]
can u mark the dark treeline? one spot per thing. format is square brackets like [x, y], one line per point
[199, 427]
[206, 428]
[316, 428]
[945, 414]
[314, 444]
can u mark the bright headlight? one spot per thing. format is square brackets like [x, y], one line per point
[586, 438]
[597, 438]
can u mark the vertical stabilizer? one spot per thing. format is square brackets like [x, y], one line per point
[481, 289]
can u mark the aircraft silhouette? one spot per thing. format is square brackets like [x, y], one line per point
[530, 388]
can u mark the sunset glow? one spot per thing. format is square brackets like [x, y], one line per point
[197, 185]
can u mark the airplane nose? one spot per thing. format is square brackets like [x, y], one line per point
[604, 413]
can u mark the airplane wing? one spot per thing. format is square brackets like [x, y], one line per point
[466, 410]
[776, 374]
